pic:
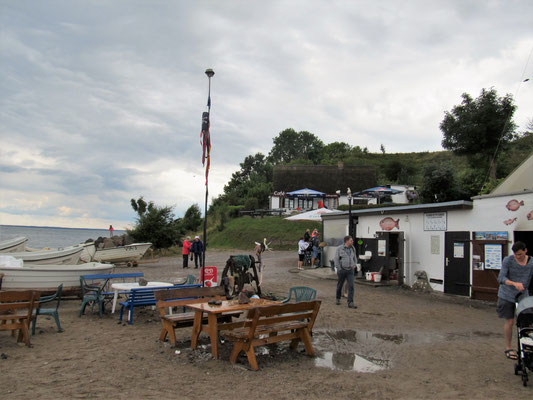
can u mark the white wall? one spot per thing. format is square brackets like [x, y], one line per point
[488, 214]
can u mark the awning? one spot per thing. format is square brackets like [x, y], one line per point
[313, 215]
[305, 193]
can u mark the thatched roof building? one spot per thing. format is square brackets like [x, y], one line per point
[324, 178]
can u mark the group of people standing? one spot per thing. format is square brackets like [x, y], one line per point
[196, 248]
[309, 242]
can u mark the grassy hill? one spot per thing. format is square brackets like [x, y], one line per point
[241, 233]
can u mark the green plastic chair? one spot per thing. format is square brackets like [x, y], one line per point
[190, 279]
[48, 311]
[301, 293]
[93, 295]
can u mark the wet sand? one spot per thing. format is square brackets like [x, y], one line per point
[397, 345]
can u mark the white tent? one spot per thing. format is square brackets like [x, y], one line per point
[313, 215]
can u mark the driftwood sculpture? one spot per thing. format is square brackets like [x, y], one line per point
[240, 270]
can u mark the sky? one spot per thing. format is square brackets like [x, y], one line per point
[101, 101]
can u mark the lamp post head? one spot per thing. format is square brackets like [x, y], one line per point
[349, 193]
[209, 72]
[338, 192]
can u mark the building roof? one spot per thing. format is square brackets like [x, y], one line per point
[432, 207]
[323, 178]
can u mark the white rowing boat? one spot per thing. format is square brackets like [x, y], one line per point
[130, 253]
[62, 256]
[13, 245]
[49, 277]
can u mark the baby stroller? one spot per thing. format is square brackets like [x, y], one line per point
[524, 325]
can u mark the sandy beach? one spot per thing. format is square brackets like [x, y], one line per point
[397, 344]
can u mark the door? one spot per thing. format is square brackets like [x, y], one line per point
[397, 255]
[457, 263]
[382, 254]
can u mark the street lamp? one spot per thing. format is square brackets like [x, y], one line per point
[209, 72]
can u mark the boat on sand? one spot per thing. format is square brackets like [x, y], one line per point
[129, 254]
[64, 255]
[47, 278]
[13, 245]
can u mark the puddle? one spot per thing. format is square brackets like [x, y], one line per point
[368, 352]
[401, 338]
[349, 362]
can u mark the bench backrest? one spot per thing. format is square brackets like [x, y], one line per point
[13, 301]
[147, 294]
[179, 297]
[275, 314]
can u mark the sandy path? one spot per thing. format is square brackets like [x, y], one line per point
[422, 346]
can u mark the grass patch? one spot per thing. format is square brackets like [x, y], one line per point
[241, 233]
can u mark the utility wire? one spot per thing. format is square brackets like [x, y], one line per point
[508, 119]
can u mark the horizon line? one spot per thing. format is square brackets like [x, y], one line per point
[61, 227]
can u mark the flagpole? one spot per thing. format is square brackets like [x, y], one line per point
[209, 72]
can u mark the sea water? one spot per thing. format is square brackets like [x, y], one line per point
[44, 236]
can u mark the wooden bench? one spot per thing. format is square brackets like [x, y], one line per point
[271, 324]
[16, 310]
[169, 299]
[145, 296]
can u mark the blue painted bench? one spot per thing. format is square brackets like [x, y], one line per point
[95, 288]
[145, 296]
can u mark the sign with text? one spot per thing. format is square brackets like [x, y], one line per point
[435, 221]
[491, 235]
[210, 276]
[493, 256]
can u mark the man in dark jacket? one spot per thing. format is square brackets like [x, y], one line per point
[197, 249]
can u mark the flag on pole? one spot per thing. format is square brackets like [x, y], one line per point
[205, 141]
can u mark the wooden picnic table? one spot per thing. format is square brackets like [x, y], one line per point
[213, 326]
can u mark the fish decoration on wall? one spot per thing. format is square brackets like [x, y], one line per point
[388, 224]
[510, 221]
[514, 205]
[530, 215]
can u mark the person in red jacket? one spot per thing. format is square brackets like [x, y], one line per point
[186, 251]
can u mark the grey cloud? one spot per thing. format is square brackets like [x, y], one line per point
[94, 94]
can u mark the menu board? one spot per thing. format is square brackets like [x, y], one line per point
[435, 221]
[493, 256]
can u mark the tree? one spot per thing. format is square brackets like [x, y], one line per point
[439, 184]
[382, 148]
[139, 205]
[335, 151]
[396, 171]
[478, 127]
[192, 219]
[155, 225]
[254, 179]
[290, 145]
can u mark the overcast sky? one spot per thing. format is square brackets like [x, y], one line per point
[101, 101]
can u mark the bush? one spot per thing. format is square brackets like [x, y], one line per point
[251, 203]
[157, 226]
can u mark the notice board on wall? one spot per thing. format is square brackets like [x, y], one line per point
[435, 221]
[493, 256]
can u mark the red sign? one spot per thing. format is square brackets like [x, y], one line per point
[210, 276]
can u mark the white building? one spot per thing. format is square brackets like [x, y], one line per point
[459, 244]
